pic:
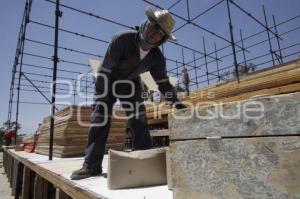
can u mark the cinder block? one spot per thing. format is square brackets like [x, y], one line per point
[269, 115]
[266, 167]
[247, 149]
[136, 169]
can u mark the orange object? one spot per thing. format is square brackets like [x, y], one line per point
[29, 148]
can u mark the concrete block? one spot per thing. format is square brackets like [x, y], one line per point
[265, 115]
[264, 167]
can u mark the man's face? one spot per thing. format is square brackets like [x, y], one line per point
[154, 34]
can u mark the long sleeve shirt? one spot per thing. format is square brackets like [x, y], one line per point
[122, 61]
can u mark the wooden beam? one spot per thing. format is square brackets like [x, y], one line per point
[26, 183]
[63, 195]
[14, 177]
[11, 171]
[19, 181]
[38, 187]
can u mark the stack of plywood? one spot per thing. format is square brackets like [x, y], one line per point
[275, 80]
[157, 114]
[71, 132]
[19, 140]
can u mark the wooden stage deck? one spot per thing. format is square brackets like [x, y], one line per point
[51, 179]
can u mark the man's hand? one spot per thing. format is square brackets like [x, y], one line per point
[180, 106]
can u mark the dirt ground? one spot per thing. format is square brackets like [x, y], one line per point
[5, 190]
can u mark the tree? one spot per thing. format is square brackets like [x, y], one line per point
[10, 125]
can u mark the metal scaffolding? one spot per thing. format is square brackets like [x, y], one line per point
[205, 67]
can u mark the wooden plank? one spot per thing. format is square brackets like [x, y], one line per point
[159, 133]
[46, 190]
[5, 160]
[32, 180]
[26, 183]
[260, 167]
[258, 84]
[290, 88]
[38, 187]
[49, 191]
[11, 172]
[15, 168]
[66, 137]
[286, 71]
[43, 189]
[163, 120]
[9, 159]
[19, 181]
[158, 114]
[63, 195]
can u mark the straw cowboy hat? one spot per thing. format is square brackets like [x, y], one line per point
[164, 19]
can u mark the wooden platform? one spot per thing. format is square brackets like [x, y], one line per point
[57, 172]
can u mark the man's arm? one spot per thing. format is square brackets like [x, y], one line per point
[159, 74]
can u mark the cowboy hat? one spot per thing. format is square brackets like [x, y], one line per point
[164, 19]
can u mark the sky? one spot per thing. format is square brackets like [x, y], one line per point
[130, 13]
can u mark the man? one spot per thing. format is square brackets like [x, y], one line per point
[129, 54]
[186, 80]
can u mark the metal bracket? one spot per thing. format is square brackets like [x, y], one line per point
[59, 13]
[55, 59]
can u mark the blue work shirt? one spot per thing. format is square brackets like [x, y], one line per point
[122, 61]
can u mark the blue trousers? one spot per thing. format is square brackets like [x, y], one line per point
[102, 111]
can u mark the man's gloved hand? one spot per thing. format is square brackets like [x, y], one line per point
[180, 106]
